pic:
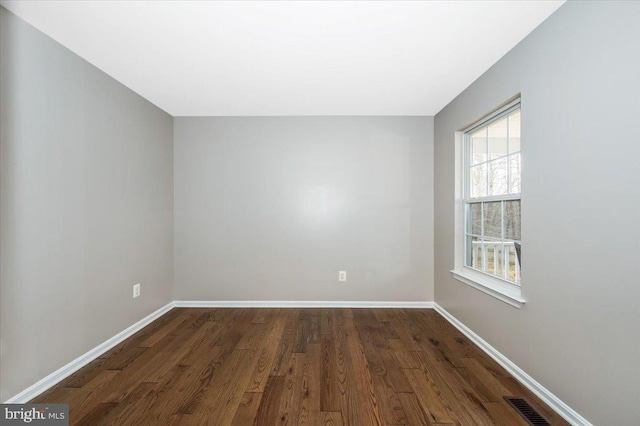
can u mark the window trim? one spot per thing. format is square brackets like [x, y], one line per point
[506, 291]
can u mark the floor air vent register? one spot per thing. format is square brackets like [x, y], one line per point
[527, 411]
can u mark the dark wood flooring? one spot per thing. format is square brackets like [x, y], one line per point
[296, 367]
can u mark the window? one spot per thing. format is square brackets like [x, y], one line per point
[490, 195]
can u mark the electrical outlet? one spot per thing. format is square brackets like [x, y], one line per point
[342, 275]
[136, 290]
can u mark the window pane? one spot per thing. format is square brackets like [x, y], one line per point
[493, 219]
[514, 132]
[468, 260]
[489, 248]
[479, 146]
[476, 253]
[498, 139]
[478, 181]
[514, 265]
[476, 218]
[494, 258]
[514, 174]
[512, 220]
[498, 171]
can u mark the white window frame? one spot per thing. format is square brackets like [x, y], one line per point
[501, 289]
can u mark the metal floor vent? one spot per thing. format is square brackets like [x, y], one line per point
[527, 411]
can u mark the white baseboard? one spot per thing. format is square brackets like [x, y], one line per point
[541, 392]
[64, 372]
[296, 304]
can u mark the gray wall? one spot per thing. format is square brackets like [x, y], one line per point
[578, 332]
[273, 208]
[86, 206]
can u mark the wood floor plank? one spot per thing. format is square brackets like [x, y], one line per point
[284, 350]
[403, 356]
[270, 404]
[159, 397]
[86, 374]
[206, 400]
[136, 372]
[466, 406]
[173, 356]
[310, 403]
[166, 329]
[332, 418]
[485, 382]
[407, 340]
[121, 360]
[208, 346]
[437, 408]
[131, 408]
[302, 334]
[267, 355]
[332, 380]
[290, 401]
[389, 403]
[326, 327]
[197, 382]
[253, 338]
[220, 406]
[247, 409]
[80, 401]
[97, 414]
[389, 330]
[396, 377]
[146, 332]
[482, 390]
[199, 366]
[359, 367]
[55, 394]
[415, 414]
[362, 406]
[382, 315]
[314, 327]
[503, 414]
[337, 317]
[221, 386]
[262, 315]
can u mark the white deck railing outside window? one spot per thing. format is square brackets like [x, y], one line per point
[500, 265]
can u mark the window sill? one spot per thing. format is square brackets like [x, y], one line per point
[493, 287]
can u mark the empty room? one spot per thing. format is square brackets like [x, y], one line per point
[320, 213]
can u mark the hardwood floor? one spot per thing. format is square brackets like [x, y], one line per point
[296, 367]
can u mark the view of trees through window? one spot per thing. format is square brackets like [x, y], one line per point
[492, 190]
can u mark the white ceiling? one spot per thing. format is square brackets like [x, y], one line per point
[206, 58]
